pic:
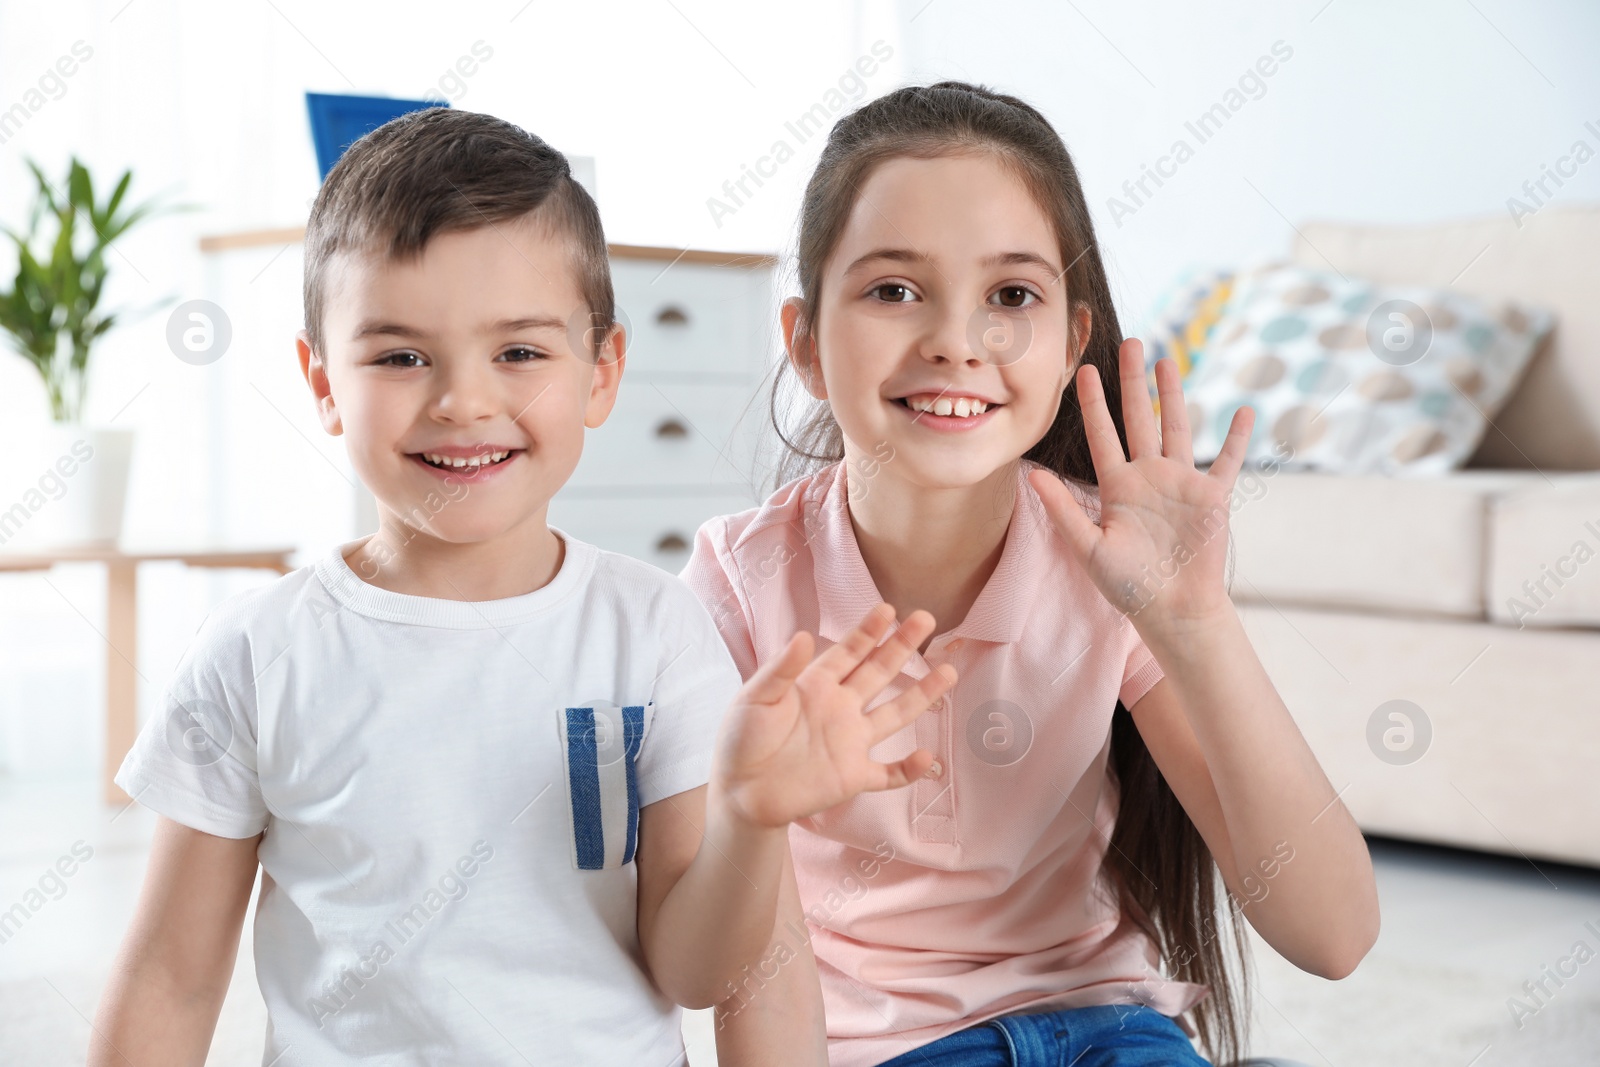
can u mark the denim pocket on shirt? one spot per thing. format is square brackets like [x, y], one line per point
[600, 743]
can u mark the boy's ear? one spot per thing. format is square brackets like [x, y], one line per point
[801, 347]
[608, 364]
[316, 375]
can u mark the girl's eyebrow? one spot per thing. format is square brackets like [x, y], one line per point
[1022, 259]
[911, 255]
[896, 255]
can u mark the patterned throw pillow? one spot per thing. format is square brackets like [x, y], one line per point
[1357, 378]
[1186, 318]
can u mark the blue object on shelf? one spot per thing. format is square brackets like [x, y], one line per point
[337, 121]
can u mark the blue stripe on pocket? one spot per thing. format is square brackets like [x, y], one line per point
[633, 733]
[583, 774]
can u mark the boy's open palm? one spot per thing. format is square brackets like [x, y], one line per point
[795, 741]
[1161, 545]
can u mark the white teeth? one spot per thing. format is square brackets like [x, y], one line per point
[961, 407]
[461, 461]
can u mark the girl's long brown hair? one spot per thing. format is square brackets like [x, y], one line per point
[1164, 877]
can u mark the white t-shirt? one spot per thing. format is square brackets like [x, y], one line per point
[449, 804]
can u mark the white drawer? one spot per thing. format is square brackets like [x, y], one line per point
[666, 433]
[694, 318]
[658, 530]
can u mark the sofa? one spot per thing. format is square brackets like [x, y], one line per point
[1438, 640]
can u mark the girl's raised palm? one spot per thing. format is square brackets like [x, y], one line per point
[1159, 551]
[795, 741]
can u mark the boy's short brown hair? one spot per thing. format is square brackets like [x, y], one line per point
[439, 170]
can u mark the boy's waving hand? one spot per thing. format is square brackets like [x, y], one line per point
[796, 740]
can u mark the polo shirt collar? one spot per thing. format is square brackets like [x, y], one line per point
[846, 591]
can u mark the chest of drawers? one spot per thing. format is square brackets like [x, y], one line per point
[681, 443]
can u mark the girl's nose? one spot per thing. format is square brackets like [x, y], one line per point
[952, 338]
[997, 337]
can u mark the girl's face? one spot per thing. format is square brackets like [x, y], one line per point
[943, 337]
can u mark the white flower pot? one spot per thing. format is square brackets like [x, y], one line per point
[65, 485]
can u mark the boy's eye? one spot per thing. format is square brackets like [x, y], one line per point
[892, 293]
[522, 354]
[393, 359]
[1015, 296]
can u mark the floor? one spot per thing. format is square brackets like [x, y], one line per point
[1461, 935]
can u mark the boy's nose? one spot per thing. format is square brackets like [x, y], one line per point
[466, 396]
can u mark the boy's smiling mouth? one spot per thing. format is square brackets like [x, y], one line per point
[471, 463]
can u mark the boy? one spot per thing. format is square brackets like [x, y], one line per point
[472, 755]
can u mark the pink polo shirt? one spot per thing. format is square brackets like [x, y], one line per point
[973, 892]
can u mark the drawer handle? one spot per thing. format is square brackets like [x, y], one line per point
[672, 428]
[672, 542]
[672, 315]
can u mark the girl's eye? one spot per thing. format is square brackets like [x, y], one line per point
[391, 360]
[522, 354]
[1015, 296]
[892, 293]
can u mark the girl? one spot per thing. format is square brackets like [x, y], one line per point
[982, 449]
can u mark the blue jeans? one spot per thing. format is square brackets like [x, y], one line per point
[1110, 1035]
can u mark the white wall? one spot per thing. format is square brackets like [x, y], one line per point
[1384, 111]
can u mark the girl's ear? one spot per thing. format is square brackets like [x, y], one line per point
[801, 347]
[316, 375]
[1080, 324]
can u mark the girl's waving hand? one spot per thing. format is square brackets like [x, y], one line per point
[796, 739]
[1159, 550]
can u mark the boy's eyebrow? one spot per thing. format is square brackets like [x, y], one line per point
[374, 328]
[532, 322]
[378, 328]
[911, 255]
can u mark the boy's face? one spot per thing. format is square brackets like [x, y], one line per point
[472, 352]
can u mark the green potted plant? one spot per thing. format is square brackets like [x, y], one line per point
[70, 481]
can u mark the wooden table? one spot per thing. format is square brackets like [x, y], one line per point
[122, 622]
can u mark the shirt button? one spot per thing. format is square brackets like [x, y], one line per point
[935, 770]
[953, 645]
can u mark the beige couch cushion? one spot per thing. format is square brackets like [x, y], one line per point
[1510, 765]
[1552, 260]
[1544, 553]
[1382, 544]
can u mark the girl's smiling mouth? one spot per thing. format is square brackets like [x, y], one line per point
[947, 411]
